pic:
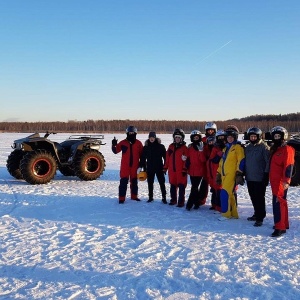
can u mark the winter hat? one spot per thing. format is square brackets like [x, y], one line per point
[152, 134]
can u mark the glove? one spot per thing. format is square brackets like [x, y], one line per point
[183, 157]
[114, 142]
[218, 179]
[183, 173]
[239, 178]
[165, 171]
[138, 170]
[200, 146]
[266, 179]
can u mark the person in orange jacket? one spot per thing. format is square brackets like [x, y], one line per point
[212, 168]
[282, 160]
[195, 164]
[175, 165]
[131, 149]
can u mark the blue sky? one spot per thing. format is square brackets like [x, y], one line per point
[160, 59]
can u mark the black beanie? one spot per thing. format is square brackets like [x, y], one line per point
[152, 134]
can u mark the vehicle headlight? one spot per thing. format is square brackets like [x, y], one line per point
[17, 146]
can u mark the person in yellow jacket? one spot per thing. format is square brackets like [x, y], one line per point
[230, 173]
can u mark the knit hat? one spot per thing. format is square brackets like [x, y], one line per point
[152, 134]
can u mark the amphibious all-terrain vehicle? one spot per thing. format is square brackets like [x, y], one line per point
[36, 158]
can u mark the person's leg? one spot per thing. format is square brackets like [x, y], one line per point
[227, 196]
[193, 197]
[173, 193]
[161, 180]
[280, 209]
[123, 189]
[133, 184]
[252, 194]
[181, 196]
[150, 181]
[260, 201]
[203, 192]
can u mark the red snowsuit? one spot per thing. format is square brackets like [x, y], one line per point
[177, 171]
[131, 154]
[212, 168]
[281, 167]
[195, 164]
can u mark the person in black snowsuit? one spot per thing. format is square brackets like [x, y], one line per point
[152, 161]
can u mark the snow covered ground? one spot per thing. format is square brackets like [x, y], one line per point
[70, 239]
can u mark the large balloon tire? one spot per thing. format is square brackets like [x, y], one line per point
[89, 165]
[295, 181]
[13, 163]
[38, 167]
[66, 170]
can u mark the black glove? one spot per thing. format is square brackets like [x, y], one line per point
[239, 178]
[266, 179]
[183, 173]
[114, 142]
[218, 179]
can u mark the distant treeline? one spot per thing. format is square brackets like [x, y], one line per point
[265, 122]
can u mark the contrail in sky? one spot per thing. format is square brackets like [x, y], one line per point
[212, 53]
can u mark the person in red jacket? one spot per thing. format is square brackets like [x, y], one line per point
[175, 165]
[131, 149]
[195, 164]
[210, 131]
[212, 168]
[282, 159]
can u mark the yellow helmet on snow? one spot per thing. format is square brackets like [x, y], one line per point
[142, 176]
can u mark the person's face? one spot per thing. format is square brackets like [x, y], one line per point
[151, 139]
[196, 138]
[177, 138]
[210, 131]
[230, 139]
[277, 136]
[253, 137]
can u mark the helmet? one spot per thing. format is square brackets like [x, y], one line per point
[254, 131]
[142, 176]
[280, 130]
[210, 125]
[220, 137]
[179, 131]
[220, 132]
[211, 139]
[232, 127]
[232, 130]
[195, 133]
[131, 129]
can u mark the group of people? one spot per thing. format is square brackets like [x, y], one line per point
[216, 160]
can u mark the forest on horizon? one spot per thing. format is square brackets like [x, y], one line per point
[265, 122]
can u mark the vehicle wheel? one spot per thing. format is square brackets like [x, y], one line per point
[66, 170]
[38, 167]
[89, 165]
[296, 172]
[13, 163]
